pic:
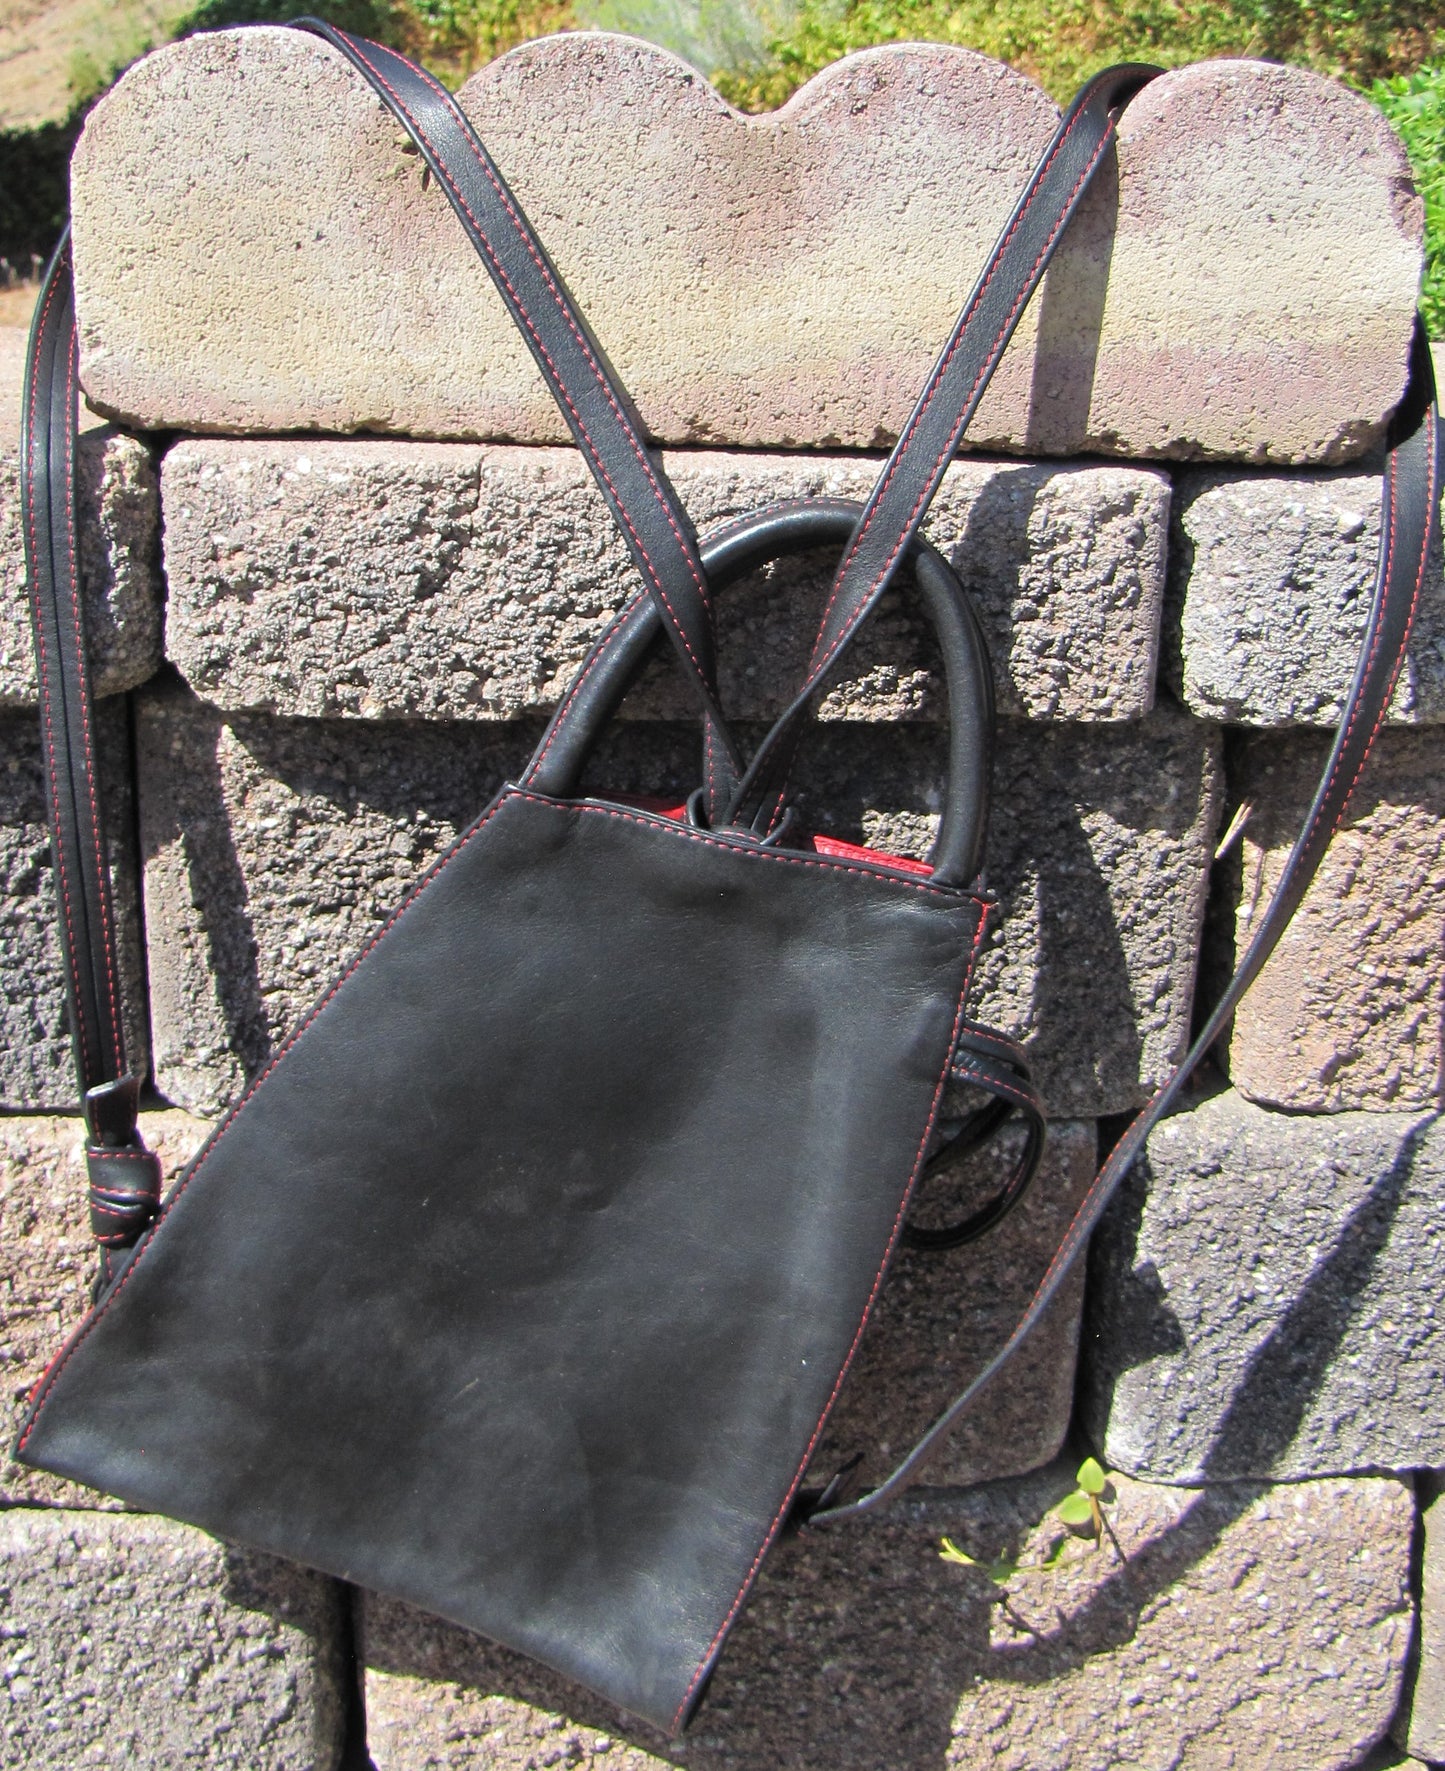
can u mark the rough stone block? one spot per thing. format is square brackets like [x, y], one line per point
[1420, 1724]
[271, 848]
[1350, 1010]
[1262, 1298]
[1247, 1626]
[1270, 579]
[393, 580]
[119, 550]
[128, 1640]
[47, 1261]
[940, 1316]
[37, 1072]
[119, 569]
[1099, 848]
[1244, 286]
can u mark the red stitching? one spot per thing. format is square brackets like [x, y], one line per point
[104, 1155]
[711, 765]
[735, 525]
[912, 1182]
[998, 1044]
[935, 382]
[993, 1085]
[749, 852]
[52, 1372]
[41, 650]
[577, 333]
[87, 740]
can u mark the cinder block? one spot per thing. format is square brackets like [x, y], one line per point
[774, 282]
[1245, 1626]
[1270, 578]
[1350, 1010]
[273, 847]
[37, 1071]
[389, 580]
[119, 503]
[1263, 1298]
[47, 1263]
[1420, 1724]
[942, 1315]
[128, 1640]
[1099, 848]
[271, 850]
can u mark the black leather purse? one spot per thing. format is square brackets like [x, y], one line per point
[522, 1280]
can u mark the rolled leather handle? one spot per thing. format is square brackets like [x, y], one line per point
[731, 553]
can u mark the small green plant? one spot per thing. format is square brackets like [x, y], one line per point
[1000, 1571]
[1084, 1506]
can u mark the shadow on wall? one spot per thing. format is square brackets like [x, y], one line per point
[1071, 317]
[859, 1645]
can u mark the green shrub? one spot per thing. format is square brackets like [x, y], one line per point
[1060, 42]
[1415, 104]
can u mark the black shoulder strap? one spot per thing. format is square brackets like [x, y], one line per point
[900, 498]
[1407, 535]
[594, 404]
[124, 1177]
[47, 450]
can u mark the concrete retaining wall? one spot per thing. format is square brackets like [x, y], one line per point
[318, 656]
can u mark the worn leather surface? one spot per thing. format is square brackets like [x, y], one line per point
[520, 1285]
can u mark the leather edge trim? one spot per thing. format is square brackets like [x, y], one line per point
[709, 1659]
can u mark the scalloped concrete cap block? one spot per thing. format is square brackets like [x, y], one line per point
[255, 251]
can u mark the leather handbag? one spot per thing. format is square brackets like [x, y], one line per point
[521, 1281]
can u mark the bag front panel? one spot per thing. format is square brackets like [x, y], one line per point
[519, 1284]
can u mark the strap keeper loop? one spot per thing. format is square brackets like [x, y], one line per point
[125, 1189]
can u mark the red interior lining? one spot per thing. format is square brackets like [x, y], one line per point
[822, 845]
